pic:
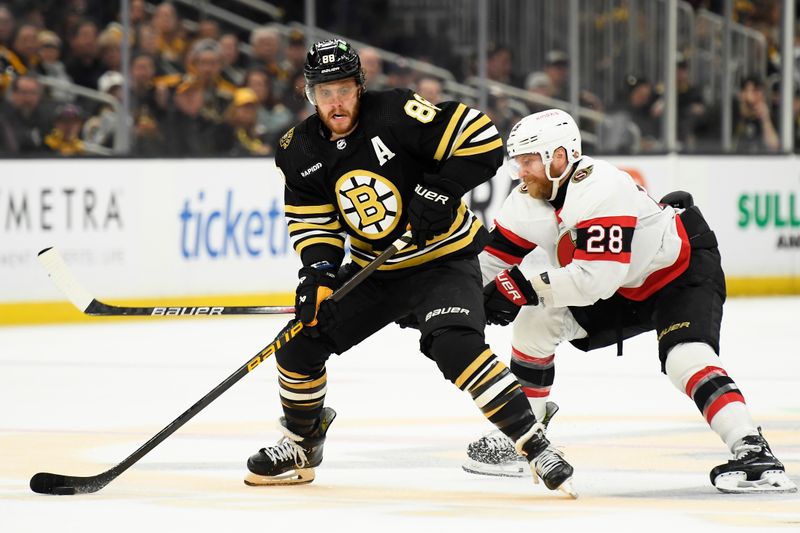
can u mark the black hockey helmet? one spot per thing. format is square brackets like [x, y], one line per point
[331, 60]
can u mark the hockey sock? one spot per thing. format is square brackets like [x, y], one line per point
[536, 375]
[497, 394]
[302, 397]
[694, 368]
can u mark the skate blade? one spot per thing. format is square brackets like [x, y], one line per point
[300, 476]
[510, 469]
[771, 481]
[568, 489]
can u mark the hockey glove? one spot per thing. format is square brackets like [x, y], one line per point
[432, 209]
[503, 297]
[317, 282]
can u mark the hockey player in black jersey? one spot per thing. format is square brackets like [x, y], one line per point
[366, 166]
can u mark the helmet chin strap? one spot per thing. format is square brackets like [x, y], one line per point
[555, 180]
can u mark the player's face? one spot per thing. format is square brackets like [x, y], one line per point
[337, 105]
[532, 173]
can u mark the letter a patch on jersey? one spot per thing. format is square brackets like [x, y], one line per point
[382, 151]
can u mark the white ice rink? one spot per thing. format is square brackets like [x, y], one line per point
[78, 399]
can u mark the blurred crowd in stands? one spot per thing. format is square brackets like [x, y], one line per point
[194, 93]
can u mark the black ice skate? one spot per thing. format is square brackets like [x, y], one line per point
[494, 453]
[753, 469]
[293, 459]
[546, 462]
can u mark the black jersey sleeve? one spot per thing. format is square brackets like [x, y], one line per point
[315, 231]
[463, 144]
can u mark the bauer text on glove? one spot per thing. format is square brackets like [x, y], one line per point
[432, 209]
[503, 297]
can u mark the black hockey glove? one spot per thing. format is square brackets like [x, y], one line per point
[432, 209]
[503, 297]
[317, 282]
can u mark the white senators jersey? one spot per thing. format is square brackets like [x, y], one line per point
[602, 234]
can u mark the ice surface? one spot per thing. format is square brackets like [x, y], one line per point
[78, 399]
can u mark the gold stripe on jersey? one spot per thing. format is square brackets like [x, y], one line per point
[398, 263]
[323, 209]
[309, 225]
[444, 142]
[296, 225]
[481, 148]
[480, 122]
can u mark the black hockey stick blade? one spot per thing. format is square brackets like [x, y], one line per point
[63, 278]
[47, 483]
[58, 484]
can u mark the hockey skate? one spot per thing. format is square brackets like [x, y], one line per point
[292, 460]
[494, 453]
[753, 469]
[546, 462]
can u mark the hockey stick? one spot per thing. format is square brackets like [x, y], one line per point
[61, 275]
[47, 483]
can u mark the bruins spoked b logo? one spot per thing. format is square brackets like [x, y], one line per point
[370, 203]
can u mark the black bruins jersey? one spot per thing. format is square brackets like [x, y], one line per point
[360, 185]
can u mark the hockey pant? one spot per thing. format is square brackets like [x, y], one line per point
[446, 301]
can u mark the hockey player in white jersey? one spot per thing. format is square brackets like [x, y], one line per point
[620, 264]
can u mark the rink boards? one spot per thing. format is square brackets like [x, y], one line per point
[211, 232]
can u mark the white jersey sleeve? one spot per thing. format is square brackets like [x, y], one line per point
[523, 225]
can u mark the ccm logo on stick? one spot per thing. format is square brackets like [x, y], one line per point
[186, 311]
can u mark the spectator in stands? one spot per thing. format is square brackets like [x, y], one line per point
[10, 64]
[23, 118]
[170, 37]
[148, 112]
[7, 25]
[272, 117]
[642, 109]
[430, 88]
[501, 113]
[295, 53]
[233, 65]
[51, 65]
[538, 83]
[26, 46]
[147, 42]
[188, 132]
[83, 65]
[64, 139]
[241, 116]
[100, 128]
[109, 47]
[266, 43]
[296, 101]
[500, 66]
[208, 29]
[556, 68]
[692, 111]
[399, 74]
[632, 127]
[138, 14]
[371, 62]
[205, 64]
[753, 130]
